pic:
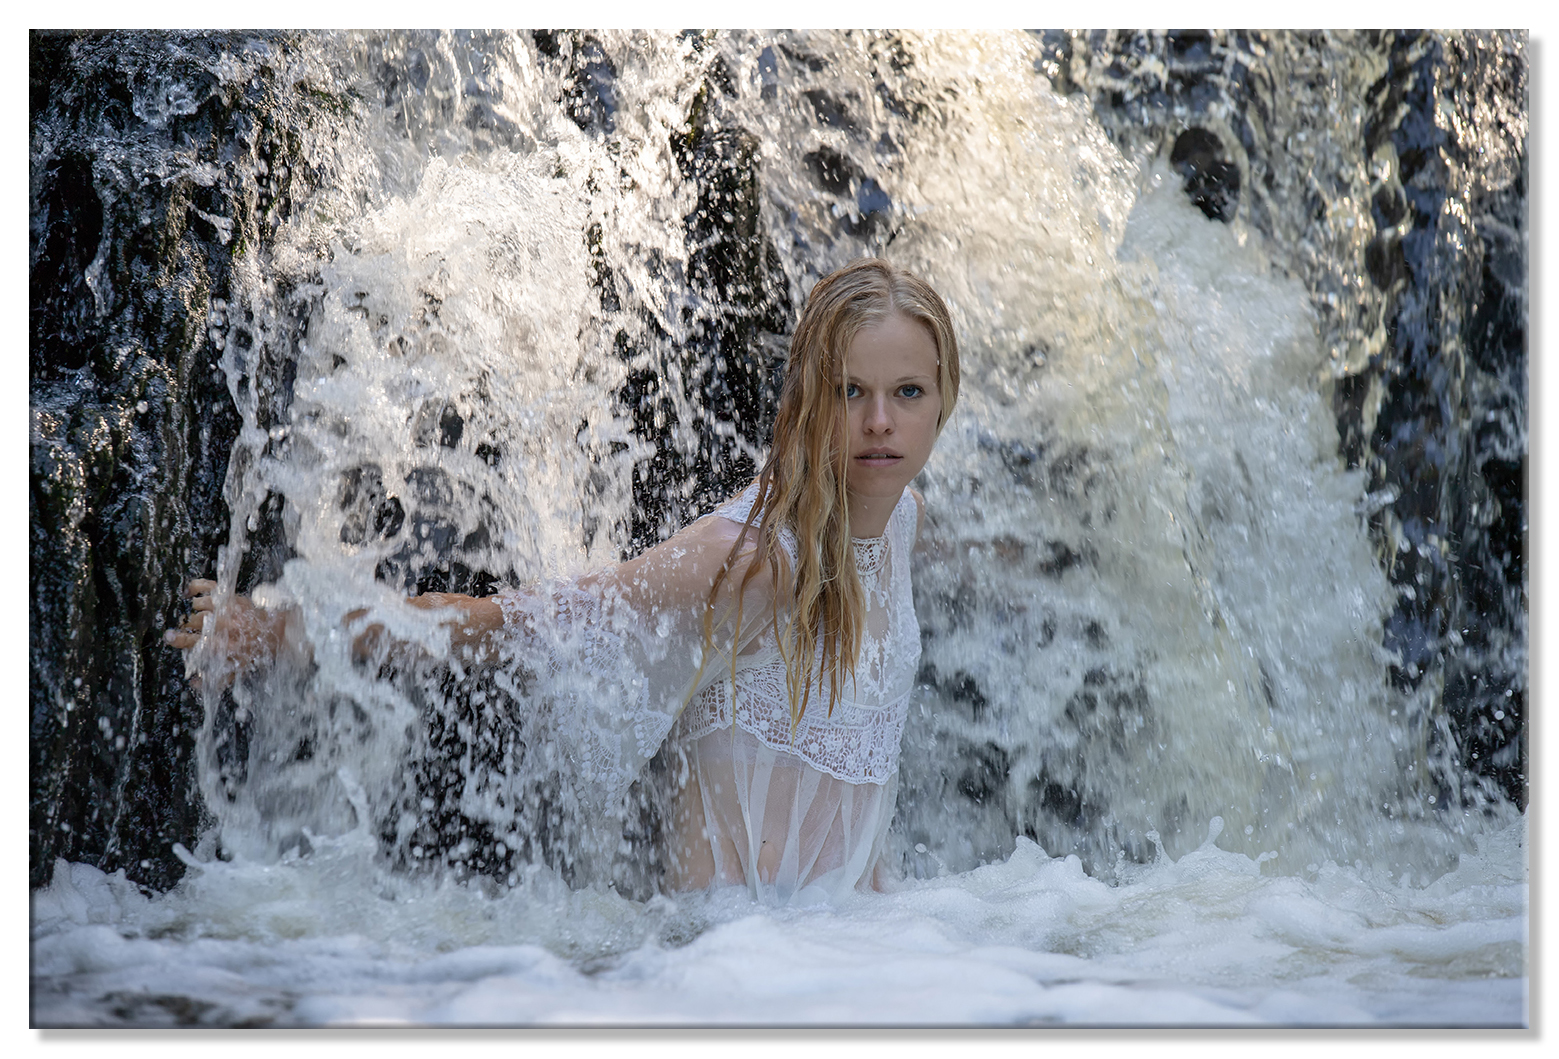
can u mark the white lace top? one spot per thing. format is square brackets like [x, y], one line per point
[798, 819]
[858, 741]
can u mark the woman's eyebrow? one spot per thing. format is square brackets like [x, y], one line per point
[851, 377]
[900, 381]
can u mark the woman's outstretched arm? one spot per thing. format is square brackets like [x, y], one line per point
[665, 588]
[244, 635]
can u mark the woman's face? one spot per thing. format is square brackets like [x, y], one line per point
[892, 404]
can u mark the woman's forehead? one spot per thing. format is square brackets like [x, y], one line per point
[895, 344]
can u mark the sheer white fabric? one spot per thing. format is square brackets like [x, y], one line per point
[795, 817]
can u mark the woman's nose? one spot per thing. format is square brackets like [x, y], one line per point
[878, 421]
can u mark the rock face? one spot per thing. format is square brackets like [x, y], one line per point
[162, 166]
[151, 169]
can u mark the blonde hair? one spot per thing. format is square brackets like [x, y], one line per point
[802, 484]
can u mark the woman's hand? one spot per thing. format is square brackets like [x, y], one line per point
[241, 635]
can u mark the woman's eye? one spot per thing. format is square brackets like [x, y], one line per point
[910, 391]
[852, 390]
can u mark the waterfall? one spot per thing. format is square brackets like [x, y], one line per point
[1229, 522]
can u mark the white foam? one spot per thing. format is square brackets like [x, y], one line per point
[1207, 939]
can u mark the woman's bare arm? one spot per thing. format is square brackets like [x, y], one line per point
[246, 635]
[473, 620]
[673, 579]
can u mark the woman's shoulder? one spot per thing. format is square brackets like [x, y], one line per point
[738, 508]
[680, 571]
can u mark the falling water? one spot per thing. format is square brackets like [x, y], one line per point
[501, 308]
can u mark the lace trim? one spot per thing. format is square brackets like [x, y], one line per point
[870, 553]
[857, 743]
[603, 715]
[511, 605]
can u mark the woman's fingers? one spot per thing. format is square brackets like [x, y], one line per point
[187, 635]
[242, 632]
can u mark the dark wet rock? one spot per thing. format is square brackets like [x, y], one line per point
[131, 252]
[1211, 180]
[983, 772]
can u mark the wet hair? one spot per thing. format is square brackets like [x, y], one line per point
[802, 484]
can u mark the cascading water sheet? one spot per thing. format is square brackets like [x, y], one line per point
[1156, 771]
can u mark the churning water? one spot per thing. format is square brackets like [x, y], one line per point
[525, 314]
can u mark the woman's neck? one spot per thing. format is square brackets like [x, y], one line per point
[869, 515]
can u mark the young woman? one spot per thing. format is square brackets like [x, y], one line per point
[774, 641]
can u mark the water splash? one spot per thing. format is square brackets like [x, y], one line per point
[1157, 605]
